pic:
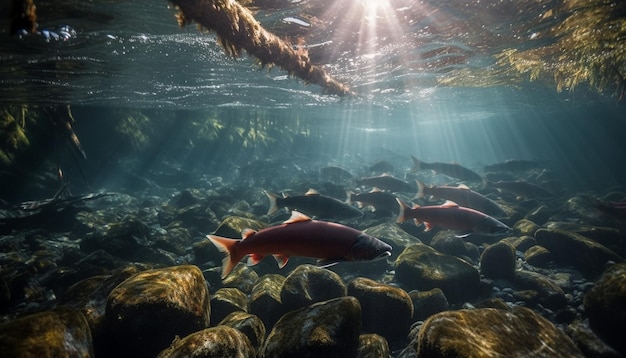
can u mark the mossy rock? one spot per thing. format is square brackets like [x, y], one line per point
[308, 284]
[324, 329]
[145, 312]
[232, 226]
[248, 324]
[379, 302]
[490, 332]
[569, 248]
[549, 293]
[498, 261]
[215, 342]
[427, 303]
[420, 267]
[605, 305]
[538, 256]
[265, 300]
[373, 346]
[61, 332]
[227, 300]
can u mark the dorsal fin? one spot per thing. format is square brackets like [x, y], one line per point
[385, 175]
[312, 192]
[246, 233]
[463, 186]
[375, 190]
[296, 217]
[450, 204]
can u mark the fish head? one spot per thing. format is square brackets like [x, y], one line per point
[367, 248]
[492, 227]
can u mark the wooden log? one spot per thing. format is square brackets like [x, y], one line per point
[238, 30]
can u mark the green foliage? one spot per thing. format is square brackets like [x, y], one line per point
[583, 43]
[13, 137]
[135, 127]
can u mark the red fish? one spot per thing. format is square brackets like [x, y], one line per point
[301, 236]
[454, 217]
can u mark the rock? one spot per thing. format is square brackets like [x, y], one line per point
[540, 215]
[265, 299]
[61, 332]
[324, 329]
[308, 284]
[490, 332]
[373, 346]
[248, 324]
[521, 243]
[447, 243]
[420, 267]
[385, 310]
[587, 341]
[550, 294]
[145, 312]
[492, 302]
[526, 227]
[392, 234]
[568, 248]
[90, 297]
[241, 277]
[610, 237]
[538, 256]
[225, 301]
[232, 226]
[215, 342]
[498, 261]
[427, 303]
[605, 306]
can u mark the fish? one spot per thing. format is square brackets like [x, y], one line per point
[314, 204]
[453, 217]
[328, 242]
[333, 172]
[521, 188]
[381, 166]
[382, 201]
[387, 182]
[453, 170]
[512, 165]
[462, 195]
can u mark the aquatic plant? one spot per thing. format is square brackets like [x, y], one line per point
[13, 136]
[135, 127]
[583, 43]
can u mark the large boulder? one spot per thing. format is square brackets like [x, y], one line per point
[420, 267]
[490, 332]
[605, 305]
[61, 332]
[147, 311]
[324, 329]
[569, 248]
[308, 284]
[379, 302]
[214, 342]
[498, 261]
[265, 300]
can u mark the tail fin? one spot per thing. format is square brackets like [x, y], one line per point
[273, 205]
[420, 189]
[226, 246]
[402, 214]
[416, 164]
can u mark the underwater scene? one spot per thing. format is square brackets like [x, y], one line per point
[313, 178]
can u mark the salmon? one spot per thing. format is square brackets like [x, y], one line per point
[452, 170]
[462, 195]
[453, 217]
[328, 242]
[314, 204]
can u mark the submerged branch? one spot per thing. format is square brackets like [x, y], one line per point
[238, 30]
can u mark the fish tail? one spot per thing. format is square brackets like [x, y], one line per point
[402, 214]
[227, 246]
[416, 165]
[273, 202]
[420, 189]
